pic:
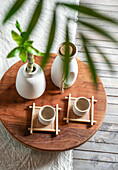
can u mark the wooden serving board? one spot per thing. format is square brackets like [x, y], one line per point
[16, 116]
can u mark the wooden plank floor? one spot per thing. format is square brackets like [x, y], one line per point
[101, 151]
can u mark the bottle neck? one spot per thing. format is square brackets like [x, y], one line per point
[70, 58]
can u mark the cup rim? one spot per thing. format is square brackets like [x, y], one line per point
[40, 115]
[78, 108]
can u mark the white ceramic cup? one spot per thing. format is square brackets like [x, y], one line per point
[46, 115]
[81, 106]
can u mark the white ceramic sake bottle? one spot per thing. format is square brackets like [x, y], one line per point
[57, 66]
[30, 85]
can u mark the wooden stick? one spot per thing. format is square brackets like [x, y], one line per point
[58, 108]
[56, 119]
[93, 100]
[37, 107]
[43, 130]
[73, 98]
[69, 98]
[80, 120]
[92, 110]
[33, 110]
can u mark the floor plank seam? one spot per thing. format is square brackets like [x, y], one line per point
[95, 151]
[95, 160]
[102, 142]
[95, 39]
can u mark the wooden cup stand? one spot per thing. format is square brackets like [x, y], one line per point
[37, 126]
[88, 118]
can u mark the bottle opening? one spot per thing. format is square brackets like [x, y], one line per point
[34, 69]
[72, 49]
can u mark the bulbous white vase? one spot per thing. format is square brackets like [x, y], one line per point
[57, 70]
[30, 85]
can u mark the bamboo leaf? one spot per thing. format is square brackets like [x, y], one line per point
[30, 49]
[14, 52]
[18, 27]
[89, 11]
[34, 19]
[50, 40]
[13, 9]
[101, 53]
[105, 58]
[23, 55]
[89, 59]
[66, 57]
[16, 37]
[98, 30]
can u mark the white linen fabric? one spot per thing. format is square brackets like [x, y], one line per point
[14, 156]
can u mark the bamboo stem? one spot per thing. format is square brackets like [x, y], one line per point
[37, 107]
[92, 109]
[30, 64]
[69, 98]
[73, 98]
[43, 130]
[80, 120]
[33, 110]
[56, 119]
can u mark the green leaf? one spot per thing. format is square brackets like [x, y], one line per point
[34, 19]
[89, 59]
[23, 55]
[18, 27]
[32, 50]
[28, 43]
[16, 37]
[66, 57]
[89, 11]
[13, 9]
[23, 34]
[50, 41]
[98, 30]
[14, 52]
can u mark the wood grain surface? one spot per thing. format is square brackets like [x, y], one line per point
[15, 114]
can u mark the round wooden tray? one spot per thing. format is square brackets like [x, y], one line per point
[16, 117]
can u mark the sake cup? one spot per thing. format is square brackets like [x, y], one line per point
[81, 106]
[46, 115]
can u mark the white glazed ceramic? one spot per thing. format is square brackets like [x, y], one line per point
[47, 115]
[30, 85]
[81, 106]
[57, 70]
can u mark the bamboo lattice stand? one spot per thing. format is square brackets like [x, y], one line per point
[37, 126]
[87, 118]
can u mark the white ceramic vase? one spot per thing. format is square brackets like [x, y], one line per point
[30, 85]
[57, 70]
